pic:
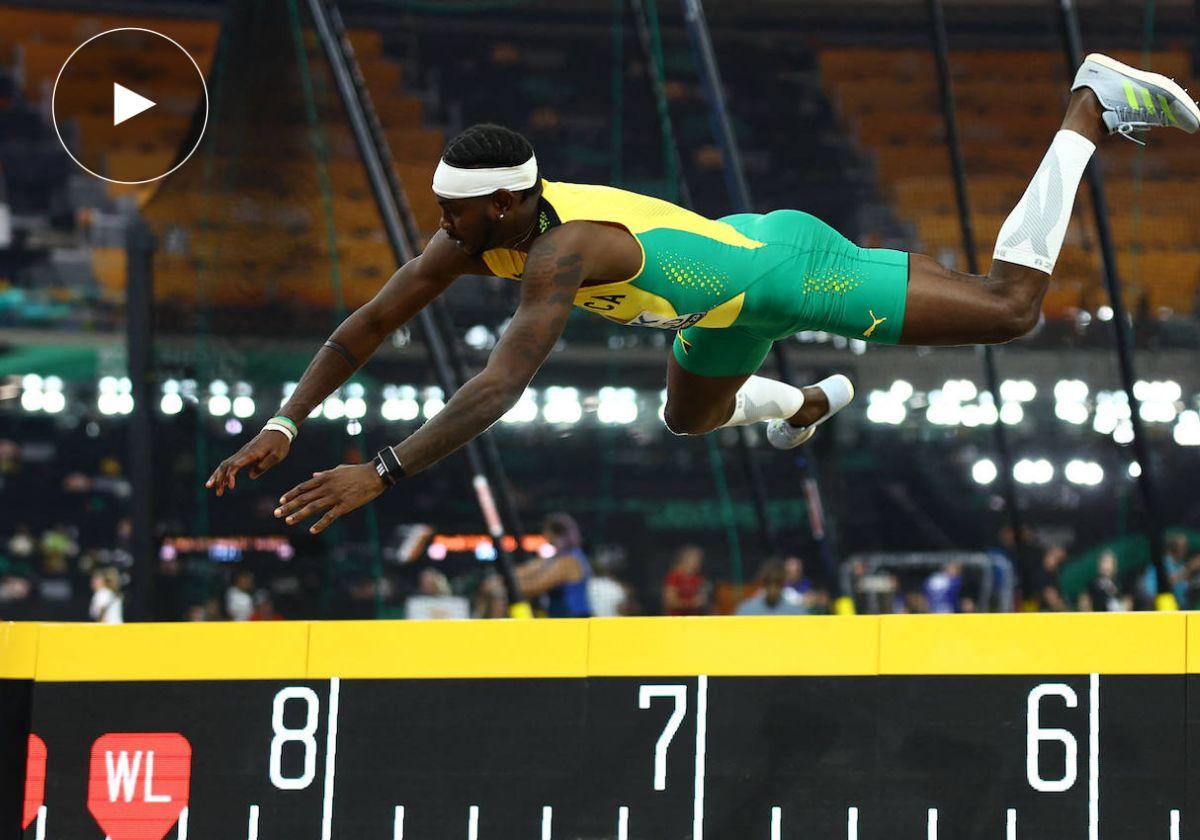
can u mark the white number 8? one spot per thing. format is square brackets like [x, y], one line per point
[1035, 735]
[305, 735]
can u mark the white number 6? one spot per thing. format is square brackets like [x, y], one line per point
[1035, 735]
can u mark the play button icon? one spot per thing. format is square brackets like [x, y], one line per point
[127, 104]
[130, 105]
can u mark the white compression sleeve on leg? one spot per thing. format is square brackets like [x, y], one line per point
[1033, 235]
[764, 399]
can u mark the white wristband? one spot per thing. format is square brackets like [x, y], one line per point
[279, 427]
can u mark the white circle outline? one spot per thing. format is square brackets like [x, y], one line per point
[54, 95]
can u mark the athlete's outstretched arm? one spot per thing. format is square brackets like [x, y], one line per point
[407, 292]
[554, 271]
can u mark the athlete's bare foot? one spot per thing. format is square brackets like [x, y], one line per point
[815, 406]
[1085, 116]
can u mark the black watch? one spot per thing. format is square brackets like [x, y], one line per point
[388, 466]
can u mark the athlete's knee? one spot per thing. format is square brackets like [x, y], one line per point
[1019, 316]
[684, 421]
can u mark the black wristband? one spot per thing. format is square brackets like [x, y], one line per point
[343, 352]
[388, 466]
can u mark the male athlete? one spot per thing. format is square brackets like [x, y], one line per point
[728, 288]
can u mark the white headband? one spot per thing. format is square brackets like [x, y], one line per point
[453, 182]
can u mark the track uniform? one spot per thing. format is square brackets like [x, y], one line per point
[733, 286]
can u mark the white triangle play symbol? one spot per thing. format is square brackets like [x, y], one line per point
[128, 104]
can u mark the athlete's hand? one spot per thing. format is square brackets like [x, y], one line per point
[266, 450]
[337, 491]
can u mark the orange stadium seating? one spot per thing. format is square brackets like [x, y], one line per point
[889, 104]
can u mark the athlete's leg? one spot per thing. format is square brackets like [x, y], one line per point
[945, 307]
[698, 404]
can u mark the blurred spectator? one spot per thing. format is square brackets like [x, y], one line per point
[1179, 569]
[264, 607]
[1104, 594]
[774, 598]
[107, 601]
[563, 577]
[16, 578]
[435, 599]
[21, 545]
[686, 591]
[1044, 581]
[58, 546]
[239, 598]
[943, 590]
[609, 595]
[815, 599]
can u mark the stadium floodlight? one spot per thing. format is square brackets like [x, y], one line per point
[1017, 390]
[1123, 433]
[356, 408]
[901, 390]
[334, 408]
[243, 407]
[31, 382]
[1187, 429]
[233, 426]
[354, 427]
[1084, 473]
[218, 387]
[1011, 413]
[171, 403]
[525, 410]
[53, 402]
[618, 406]
[1135, 469]
[33, 399]
[1071, 390]
[886, 407]
[1075, 413]
[984, 471]
[1104, 313]
[562, 406]
[435, 401]
[400, 403]
[107, 385]
[1033, 471]
[218, 405]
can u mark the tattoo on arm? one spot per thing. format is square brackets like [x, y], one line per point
[553, 274]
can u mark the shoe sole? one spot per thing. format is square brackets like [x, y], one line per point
[1157, 79]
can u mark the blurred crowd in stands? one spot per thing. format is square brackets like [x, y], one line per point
[72, 560]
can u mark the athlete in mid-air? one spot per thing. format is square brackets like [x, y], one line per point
[729, 288]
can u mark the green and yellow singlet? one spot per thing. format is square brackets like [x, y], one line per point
[731, 286]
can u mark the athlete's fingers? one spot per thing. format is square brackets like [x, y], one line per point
[326, 520]
[303, 487]
[315, 506]
[265, 464]
[300, 501]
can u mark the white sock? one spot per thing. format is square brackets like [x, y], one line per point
[764, 399]
[1033, 235]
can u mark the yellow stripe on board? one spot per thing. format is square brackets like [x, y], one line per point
[452, 649]
[730, 646]
[183, 651]
[1025, 643]
[18, 650]
[1034, 643]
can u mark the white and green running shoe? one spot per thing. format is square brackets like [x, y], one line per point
[783, 435]
[1134, 100]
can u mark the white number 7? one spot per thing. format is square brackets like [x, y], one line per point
[678, 693]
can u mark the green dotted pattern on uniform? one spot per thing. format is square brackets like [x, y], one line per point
[837, 283]
[693, 274]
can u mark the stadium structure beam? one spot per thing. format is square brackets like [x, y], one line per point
[941, 50]
[739, 191]
[400, 228]
[140, 243]
[1073, 46]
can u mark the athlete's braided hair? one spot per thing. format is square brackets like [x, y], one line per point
[487, 145]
